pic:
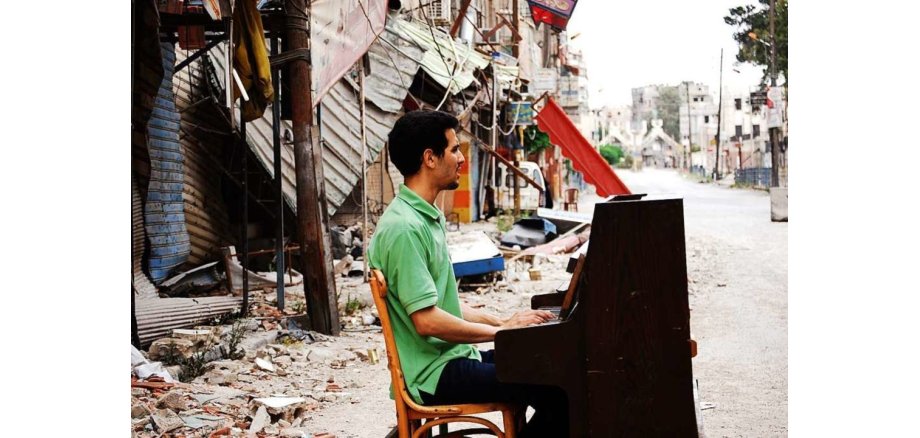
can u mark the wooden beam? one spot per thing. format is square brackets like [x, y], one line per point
[312, 215]
[462, 13]
[511, 166]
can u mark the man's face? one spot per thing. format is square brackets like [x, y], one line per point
[447, 170]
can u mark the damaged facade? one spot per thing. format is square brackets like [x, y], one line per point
[189, 179]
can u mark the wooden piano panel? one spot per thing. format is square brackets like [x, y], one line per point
[639, 376]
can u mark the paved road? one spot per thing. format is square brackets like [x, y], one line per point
[738, 266]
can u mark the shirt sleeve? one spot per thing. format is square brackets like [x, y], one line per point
[411, 281]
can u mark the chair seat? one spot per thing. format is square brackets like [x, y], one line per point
[463, 409]
[409, 415]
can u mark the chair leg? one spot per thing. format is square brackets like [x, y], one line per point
[509, 418]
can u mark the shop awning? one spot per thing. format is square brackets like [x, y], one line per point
[563, 133]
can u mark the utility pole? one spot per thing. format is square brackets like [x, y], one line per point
[719, 128]
[516, 20]
[689, 151]
[774, 143]
[277, 186]
[515, 50]
[312, 216]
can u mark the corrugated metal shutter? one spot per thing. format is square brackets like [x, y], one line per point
[145, 289]
[202, 141]
[163, 212]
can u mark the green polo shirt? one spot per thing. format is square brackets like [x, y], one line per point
[410, 247]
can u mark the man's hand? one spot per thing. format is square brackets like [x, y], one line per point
[526, 318]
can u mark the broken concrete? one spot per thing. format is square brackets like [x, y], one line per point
[165, 420]
[164, 348]
[201, 339]
[173, 400]
[259, 421]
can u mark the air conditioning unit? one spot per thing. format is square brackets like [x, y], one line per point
[439, 12]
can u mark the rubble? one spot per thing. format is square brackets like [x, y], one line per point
[164, 348]
[165, 420]
[259, 421]
[173, 400]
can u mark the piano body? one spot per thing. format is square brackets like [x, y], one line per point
[623, 356]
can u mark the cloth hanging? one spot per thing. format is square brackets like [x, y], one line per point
[250, 60]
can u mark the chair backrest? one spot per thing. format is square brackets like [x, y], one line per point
[571, 195]
[379, 291]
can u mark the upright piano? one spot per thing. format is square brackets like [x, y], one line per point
[623, 354]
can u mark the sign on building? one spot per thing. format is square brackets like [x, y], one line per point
[759, 98]
[568, 91]
[544, 79]
[775, 106]
[519, 113]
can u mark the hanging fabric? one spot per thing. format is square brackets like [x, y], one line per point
[250, 60]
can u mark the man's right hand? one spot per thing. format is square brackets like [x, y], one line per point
[526, 318]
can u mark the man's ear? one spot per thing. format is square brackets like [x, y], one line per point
[428, 158]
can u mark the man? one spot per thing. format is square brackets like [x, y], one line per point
[432, 328]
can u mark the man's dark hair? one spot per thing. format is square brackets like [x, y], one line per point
[413, 133]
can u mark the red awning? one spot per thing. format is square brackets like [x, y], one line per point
[563, 133]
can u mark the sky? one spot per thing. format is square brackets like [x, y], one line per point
[628, 44]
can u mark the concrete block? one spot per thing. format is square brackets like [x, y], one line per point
[779, 204]
[183, 348]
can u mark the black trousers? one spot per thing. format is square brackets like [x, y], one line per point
[472, 381]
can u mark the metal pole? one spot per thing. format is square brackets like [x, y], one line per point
[719, 128]
[279, 207]
[774, 143]
[244, 243]
[689, 151]
[516, 20]
[492, 163]
[312, 215]
[517, 187]
[364, 169]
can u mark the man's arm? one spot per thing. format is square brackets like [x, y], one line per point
[519, 319]
[432, 321]
[475, 315]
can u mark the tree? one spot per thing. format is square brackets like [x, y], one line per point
[669, 100]
[611, 153]
[753, 19]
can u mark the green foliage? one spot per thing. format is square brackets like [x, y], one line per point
[756, 19]
[535, 140]
[192, 367]
[611, 153]
[352, 305]
[171, 355]
[669, 102]
[233, 342]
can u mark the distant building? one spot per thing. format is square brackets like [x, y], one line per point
[701, 123]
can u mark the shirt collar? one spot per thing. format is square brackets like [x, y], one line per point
[415, 201]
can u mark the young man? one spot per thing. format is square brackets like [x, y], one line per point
[432, 328]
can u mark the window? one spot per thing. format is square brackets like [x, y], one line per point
[498, 175]
[738, 131]
[705, 118]
[756, 131]
[737, 104]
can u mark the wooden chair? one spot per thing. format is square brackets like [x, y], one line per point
[570, 200]
[409, 415]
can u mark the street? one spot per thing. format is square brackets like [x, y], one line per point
[737, 261]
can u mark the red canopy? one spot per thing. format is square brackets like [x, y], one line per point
[563, 133]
